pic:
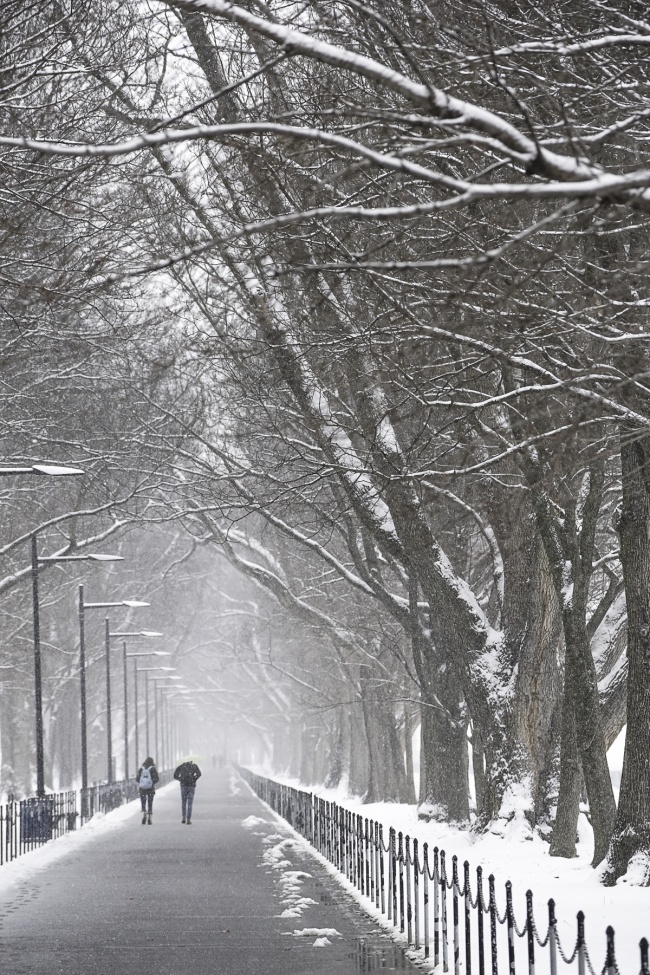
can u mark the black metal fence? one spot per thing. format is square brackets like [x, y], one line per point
[426, 899]
[26, 824]
[104, 797]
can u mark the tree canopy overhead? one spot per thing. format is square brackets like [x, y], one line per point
[383, 267]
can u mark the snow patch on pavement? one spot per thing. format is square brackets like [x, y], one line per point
[252, 821]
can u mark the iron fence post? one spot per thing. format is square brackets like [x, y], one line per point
[581, 942]
[468, 928]
[425, 896]
[416, 894]
[409, 909]
[530, 932]
[382, 879]
[610, 961]
[493, 927]
[367, 858]
[400, 860]
[455, 890]
[443, 911]
[510, 917]
[481, 910]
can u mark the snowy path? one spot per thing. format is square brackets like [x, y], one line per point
[232, 893]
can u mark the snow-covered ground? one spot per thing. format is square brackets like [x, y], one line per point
[573, 884]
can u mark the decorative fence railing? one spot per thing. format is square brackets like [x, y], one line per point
[29, 823]
[105, 796]
[399, 881]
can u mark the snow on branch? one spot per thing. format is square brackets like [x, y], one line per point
[590, 183]
[436, 102]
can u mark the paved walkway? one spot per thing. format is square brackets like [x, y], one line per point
[205, 899]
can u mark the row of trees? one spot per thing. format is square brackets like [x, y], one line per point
[386, 262]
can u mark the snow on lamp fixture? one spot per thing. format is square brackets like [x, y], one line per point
[51, 470]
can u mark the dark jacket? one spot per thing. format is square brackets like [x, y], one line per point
[148, 763]
[187, 773]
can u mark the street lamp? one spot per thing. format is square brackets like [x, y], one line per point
[169, 735]
[161, 653]
[156, 681]
[139, 653]
[108, 636]
[144, 670]
[36, 561]
[52, 470]
[83, 606]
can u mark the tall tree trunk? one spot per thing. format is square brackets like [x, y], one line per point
[409, 795]
[444, 765]
[338, 767]
[563, 840]
[478, 769]
[581, 694]
[538, 689]
[387, 776]
[631, 836]
[359, 758]
[570, 548]
[444, 757]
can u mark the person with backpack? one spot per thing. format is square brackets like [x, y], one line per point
[187, 774]
[146, 778]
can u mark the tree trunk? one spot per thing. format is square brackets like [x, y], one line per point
[309, 754]
[444, 784]
[563, 840]
[408, 753]
[387, 774]
[478, 768]
[570, 547]
[339, 753]
[358, 753]
[631, 837]
[538, 689]
[444, 766]
[581, 694]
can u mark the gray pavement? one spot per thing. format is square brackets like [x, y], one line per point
[205, 899]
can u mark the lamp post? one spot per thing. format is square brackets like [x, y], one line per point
[109, 730]
[125, 658]
[156, 681]
[83, 606]
[38, 693]
[144, 670]
[169, 718]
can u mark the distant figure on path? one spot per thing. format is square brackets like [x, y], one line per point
[146, 778]
[187, 773]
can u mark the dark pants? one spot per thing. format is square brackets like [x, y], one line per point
[146, 800]
[187, 798]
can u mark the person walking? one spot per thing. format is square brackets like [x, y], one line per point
[187, 774]
[146, 778]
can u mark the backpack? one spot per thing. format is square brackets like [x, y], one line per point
[145, 781]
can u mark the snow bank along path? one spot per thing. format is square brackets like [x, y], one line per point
[513, 854]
